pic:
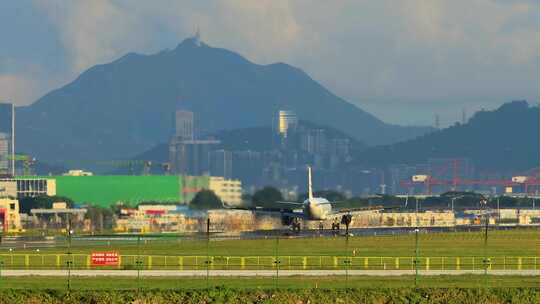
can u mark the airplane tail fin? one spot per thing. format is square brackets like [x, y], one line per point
[310, 188]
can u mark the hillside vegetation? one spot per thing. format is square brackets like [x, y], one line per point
[504, 139]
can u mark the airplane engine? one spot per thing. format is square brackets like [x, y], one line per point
[287, 220]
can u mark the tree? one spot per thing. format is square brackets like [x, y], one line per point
[100, 218]
[206, 199]
[267, 195]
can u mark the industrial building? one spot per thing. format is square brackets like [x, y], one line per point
[106, 190]
[229, 191]
[28, 186]
[10, 219]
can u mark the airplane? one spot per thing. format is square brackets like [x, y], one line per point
[313, 209]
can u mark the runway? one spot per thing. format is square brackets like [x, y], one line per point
[256, 273]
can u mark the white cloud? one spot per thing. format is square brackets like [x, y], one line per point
[17, 89]
[373, 51]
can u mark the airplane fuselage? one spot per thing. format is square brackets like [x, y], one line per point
[317, 208]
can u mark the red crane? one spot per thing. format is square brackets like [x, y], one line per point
[527, 180]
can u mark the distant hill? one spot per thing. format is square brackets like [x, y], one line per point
[119, 109]
[262, 138]
[505, 139]
[254, 139]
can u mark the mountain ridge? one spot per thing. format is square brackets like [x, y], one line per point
[501, 140]
[119, 109]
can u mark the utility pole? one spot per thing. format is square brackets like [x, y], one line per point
[277, 262]
[208, 253]
[347, 219]
[486, 260]
[70, 257]
[139, 263]
[417, 250]
[498, 210]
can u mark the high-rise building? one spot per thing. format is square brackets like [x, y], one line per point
[188, 155]
[184, 125]
[191, 157]
[313, 141]
[287, 121]
[6, 137]
[4, 153]
[221, 163]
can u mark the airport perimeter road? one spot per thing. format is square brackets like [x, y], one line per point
[255, 273]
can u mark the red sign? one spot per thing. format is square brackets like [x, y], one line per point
[155, 212]
[108, 258]
[3, 217]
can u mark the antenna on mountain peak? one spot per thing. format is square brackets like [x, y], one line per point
[197, 37]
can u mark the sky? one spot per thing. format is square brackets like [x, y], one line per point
[405, 61]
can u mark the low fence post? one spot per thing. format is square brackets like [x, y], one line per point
[243, 263]
[458, 263]
[427, 263]
[442, 263]
[181, 263]
[520, 263]
[57, 261]
[26, 260]
[397, 263]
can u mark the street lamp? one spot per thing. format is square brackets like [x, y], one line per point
[455, 198]
[484, 202]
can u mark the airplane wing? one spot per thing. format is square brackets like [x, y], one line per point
[348, 210]
[289, 203]
[282, 212]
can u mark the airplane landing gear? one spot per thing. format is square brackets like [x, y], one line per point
[295, 226]
[335, 228]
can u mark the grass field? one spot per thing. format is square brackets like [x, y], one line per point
[511, 249]
[328, 282]
[523, 242]
[282, 296]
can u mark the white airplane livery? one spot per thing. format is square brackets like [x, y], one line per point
[312, 209]
[316, 208]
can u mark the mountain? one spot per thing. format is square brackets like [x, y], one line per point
[505, 139]
[119, 109]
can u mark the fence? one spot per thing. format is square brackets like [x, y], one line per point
[163, 262]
